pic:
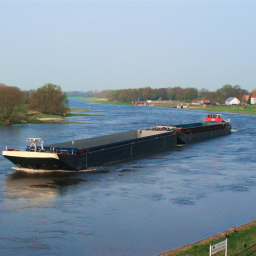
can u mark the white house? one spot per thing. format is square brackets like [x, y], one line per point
[253, 99]
[232, 101]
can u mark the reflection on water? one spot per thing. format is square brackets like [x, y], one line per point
[141, 207]
[38, 185]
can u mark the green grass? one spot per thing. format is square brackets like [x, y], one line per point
[246, 109]
[95, 100]
[67, 115]
[50, 116]
[76, 97]
[236, 242]
[28, 118]
[80, 110]
[78, 114]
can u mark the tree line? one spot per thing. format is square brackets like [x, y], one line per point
[48, 99]
[172, 93]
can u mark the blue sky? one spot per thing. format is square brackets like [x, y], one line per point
[98, 45]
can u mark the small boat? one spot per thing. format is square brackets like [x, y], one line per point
[83, 154]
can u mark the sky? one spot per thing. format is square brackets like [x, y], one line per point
[100, 45]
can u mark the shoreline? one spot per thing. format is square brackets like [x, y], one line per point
[231, 232]
[239, 109]
[49, 119]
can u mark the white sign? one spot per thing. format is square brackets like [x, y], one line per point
[218, 247]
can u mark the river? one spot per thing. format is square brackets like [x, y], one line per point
[141, 207]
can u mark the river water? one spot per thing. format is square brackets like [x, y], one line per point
[141, 207]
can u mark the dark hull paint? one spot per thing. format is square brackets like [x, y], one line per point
[40, 163]
[124, 150]
[120, 153]
[99, 157]
[195, 137]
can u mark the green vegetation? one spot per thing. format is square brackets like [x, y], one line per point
[49, 99]
[236, 242]
[80, 110]
[66, 115]
[243, 109]
[79, 114]
[23, 116]
[96, 100]
[172, 93]
[10, 103]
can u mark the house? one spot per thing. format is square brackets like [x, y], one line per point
[253, 99]
[232, 101]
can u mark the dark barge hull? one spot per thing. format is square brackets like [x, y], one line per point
[120, 153]
[99, 155]
[204, 131]
[108, 149]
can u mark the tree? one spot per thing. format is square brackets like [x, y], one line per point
[190, 93]
[203, 92]
[253, 91]
[212, 97]
[238, 92]
[49, 99]
[10, 99]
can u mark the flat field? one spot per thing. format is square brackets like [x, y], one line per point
[105, 101]
[243, 109]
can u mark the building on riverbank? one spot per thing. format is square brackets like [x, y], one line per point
[232, 101]
[253, 99]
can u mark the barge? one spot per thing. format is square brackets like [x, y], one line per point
[83, 154]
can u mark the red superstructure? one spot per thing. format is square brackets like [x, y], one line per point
[214, 118]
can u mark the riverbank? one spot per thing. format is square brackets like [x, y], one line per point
[237, 237]
[242, 109]
[34, 117]
[106, 101]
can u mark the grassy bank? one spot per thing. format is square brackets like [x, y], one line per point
[236, 241]
[243, 109]
[247, 109]
[67, 115]
[80, 110]
[105, 101]
[34, 117]
[37, 121]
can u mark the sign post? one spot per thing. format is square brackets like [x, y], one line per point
[219, 247]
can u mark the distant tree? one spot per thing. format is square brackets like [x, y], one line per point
[203, 92]
[2, 85]
[10, 99]
[149, 94]
[49, 99]
[238, 92]
[171, 93]
[26, 97]
[162, 93]
[212, 97]
[224, 92]
[190, 93]
[90, 94]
